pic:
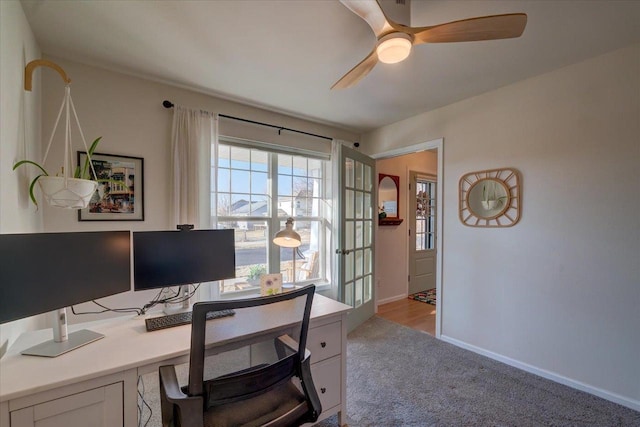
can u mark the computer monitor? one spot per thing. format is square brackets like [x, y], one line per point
[174, 258]
[42, 272]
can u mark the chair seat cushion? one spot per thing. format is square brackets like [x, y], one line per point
[259, 410]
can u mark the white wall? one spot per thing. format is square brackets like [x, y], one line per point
[19, 136]
[128, 113]
[392, 241]
[559, 293]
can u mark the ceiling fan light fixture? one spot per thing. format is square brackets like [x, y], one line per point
[394, 47]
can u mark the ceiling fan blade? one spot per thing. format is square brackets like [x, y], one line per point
[482, 28]
[371, 12]
[357, 72]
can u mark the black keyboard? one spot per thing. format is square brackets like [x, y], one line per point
[183, 318]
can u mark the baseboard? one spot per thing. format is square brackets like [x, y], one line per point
[613, 397]
[391, 299]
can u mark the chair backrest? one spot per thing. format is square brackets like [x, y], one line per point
[286, 314]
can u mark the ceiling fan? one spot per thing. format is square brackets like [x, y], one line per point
[395, 40]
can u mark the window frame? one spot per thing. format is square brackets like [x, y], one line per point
[273, 221]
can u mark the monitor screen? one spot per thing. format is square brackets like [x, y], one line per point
[42, 272]
[171, 258]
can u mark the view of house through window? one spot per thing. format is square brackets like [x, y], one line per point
[257, 190]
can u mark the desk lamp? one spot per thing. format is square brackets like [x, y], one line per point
[288, 238]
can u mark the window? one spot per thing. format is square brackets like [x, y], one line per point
[425, 214]
[257, 190]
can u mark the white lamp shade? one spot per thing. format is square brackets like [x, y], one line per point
[287, 238]
[393, 48]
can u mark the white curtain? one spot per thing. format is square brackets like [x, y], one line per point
[336, 152]
[193, 139]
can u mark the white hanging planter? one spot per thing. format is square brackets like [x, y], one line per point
[70, 190]
[69, 193]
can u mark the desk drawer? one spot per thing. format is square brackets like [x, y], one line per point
[327, 379]
[325, 341]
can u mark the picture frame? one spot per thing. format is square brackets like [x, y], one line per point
[113, 202]
[270, 284]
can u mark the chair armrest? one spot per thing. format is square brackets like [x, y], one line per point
[175, 404]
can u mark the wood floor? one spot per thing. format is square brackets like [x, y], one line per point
[414, 314]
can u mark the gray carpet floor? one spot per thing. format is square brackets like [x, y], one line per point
[397, 376]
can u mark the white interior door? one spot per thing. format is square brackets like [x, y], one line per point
[422, 233]
[355, 250]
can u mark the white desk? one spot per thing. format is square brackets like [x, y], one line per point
[98, 382]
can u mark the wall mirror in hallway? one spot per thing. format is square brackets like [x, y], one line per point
[388, 199]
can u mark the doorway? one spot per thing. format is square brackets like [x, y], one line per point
[392, 300]
[422, 235]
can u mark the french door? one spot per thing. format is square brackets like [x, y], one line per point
[355, 252]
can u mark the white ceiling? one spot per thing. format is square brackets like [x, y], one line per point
[285, 55]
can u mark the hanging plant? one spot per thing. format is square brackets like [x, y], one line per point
[80, 183]
[64, 190]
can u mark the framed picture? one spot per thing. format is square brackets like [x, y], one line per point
[119, 195]
[270, 284]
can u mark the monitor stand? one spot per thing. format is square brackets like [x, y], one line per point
[184, 306]
[62, 341]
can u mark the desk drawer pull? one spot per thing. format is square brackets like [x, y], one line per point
[323, 390]
[323, 344]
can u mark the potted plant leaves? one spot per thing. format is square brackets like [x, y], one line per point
[62, 191]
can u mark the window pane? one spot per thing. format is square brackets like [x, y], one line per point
[224, 204]
[307, 261]
[349, 235]
[367, 289]
[349, 265]
[240, 205]
[246, 176]
[367, 261]
[259, 206]
[299, 166]
[367, 178]
[240, 181]
[367, 205]
[240, 158]
[359, 177]
[259, 161]
[259, 181]
[315, 167]
[367, 233]
[359, 262]
[285, 164]
[359, 199]
[348, 173]
[348, 293]
[359, 234]
[251, 239]
[224, 156]
[358, 293]
[349, 201]
[314, 188]
[224, 185]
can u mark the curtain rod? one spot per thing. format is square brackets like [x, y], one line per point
[169, 104]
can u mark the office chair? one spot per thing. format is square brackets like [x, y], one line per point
[274, 393]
